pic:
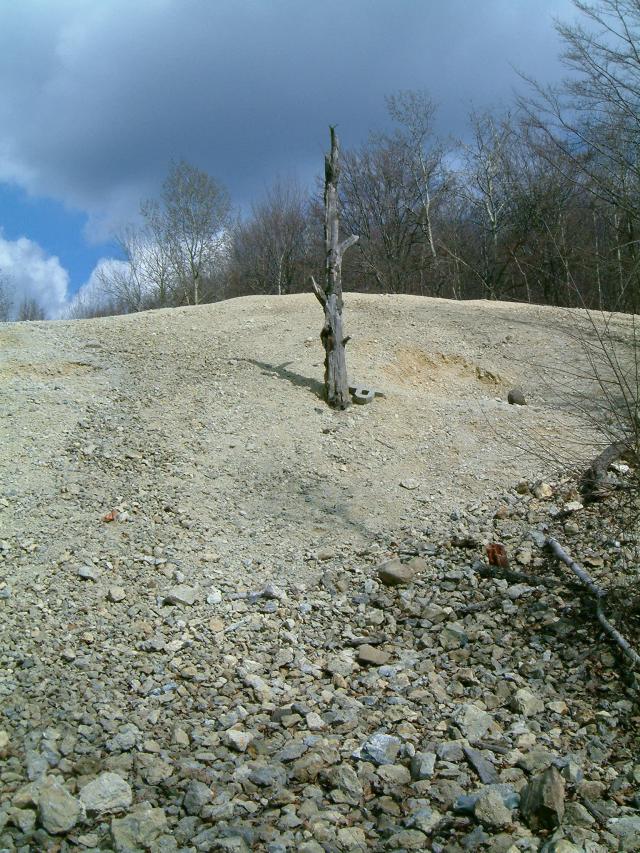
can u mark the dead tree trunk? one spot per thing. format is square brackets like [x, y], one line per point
[336, 384]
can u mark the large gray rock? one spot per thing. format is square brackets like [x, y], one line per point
[453, 636]
[181, 594]
[341, 664]
[24, 819]
[450, 750]
[381, 748]
[138, 830]
[485, 770]
[407, 839]
[125, 739]
[491, 811]
[472, 721]
[395, 774]
[350, 838]
[157, 771]
[537, 760]
[424, 819]
[466, 803]
[423, 765]
[265, 775]
[108, 793]
[527, 703]
[344, 778]
[57, 809]
[626, 830]
[516, 398]
[542, 800]
[196, 797]
[237, 740]
[116, 594]
[88, 573]
[370, 655]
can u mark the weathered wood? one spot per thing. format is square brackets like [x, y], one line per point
[330, 297]
[595, 482]
[515, 577]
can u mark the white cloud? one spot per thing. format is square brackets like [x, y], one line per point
[29, 272]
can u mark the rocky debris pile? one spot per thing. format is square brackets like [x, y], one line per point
[404, 700]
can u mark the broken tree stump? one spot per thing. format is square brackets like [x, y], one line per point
[332, 336]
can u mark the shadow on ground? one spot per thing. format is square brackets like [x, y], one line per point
[281, 372]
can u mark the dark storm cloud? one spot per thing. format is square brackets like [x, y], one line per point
[95, 98]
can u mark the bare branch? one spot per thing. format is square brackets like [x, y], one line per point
[319, 292]
[346, 244]
[598, 593]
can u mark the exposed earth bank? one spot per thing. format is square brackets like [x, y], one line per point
[197, 650]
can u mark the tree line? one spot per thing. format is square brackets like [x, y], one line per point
[26, 308]
[540, 202]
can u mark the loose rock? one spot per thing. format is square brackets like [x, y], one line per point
[108, 793]
[369, 655]
[138, 830]
[181, 595]
[57, 809]
[542, 801]
[472, 721]
[516, 398]
[395, 573]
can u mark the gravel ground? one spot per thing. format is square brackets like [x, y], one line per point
[199, 649]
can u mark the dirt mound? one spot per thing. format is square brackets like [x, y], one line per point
[217, 409]
[192, 625]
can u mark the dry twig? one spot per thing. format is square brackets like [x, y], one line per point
[598, 593]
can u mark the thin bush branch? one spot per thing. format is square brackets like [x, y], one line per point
[599, 594]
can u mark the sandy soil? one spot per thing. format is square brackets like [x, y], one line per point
[206, 424]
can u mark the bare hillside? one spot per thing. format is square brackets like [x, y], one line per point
[207, 424]
[232, 619]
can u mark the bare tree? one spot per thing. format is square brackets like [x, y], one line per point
[6, 299]
[424, 155]
[143, 278]
[391, 193]
[30, 309]
[191, 222]
[269, 249]
[487, 199]
[330, 296]
[593, 120]
[94, 300]
[378, 198]
[178, 252]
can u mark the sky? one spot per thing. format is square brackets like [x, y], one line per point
[98, 96]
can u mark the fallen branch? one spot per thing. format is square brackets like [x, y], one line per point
[487, 604]
[598, 593]
[515, 577]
